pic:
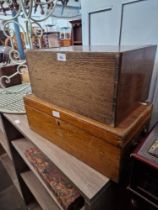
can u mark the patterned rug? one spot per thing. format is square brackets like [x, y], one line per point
[67, 195]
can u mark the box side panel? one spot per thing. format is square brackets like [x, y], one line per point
[134, 82]
[93, 151]
[83, 83]
[118, 61]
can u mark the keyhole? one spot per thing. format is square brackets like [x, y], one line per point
[58, 123]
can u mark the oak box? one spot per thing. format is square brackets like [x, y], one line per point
[101, 83]
[98, 145]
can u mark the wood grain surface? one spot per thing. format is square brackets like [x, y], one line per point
[102, 85]
[83, 84]
[115, 136]
[91, 148]
[134, 80]
[39, 192]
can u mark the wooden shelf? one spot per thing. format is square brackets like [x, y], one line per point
[21, 145]
[8, 165]
[39, 192]
[4, 143]
[86, 179]
[34, 206]
[3, 140]
[1, 125]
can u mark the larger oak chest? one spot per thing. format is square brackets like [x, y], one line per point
[101, 146]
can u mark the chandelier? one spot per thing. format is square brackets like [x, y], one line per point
[26, 16]
[26, 9]
[12, 9]
[14, 5]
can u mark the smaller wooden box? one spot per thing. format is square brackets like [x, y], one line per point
[8, 70]
[98, 145]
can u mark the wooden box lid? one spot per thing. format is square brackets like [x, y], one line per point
[117, 136]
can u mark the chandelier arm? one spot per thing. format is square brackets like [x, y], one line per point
[41, 34]
[26, 15]
[30, 9]
[46, 3]
[29, 32]
[13, 17]
[51, 10]
[19, 62]
[8, 78]
[15, 22]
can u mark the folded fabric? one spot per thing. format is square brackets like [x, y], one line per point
[67, 195]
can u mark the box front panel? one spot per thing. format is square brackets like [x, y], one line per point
[94, 151]
[80, 82]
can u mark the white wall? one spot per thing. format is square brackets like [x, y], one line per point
[139, 23]
[124, 22]
[101, 17]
